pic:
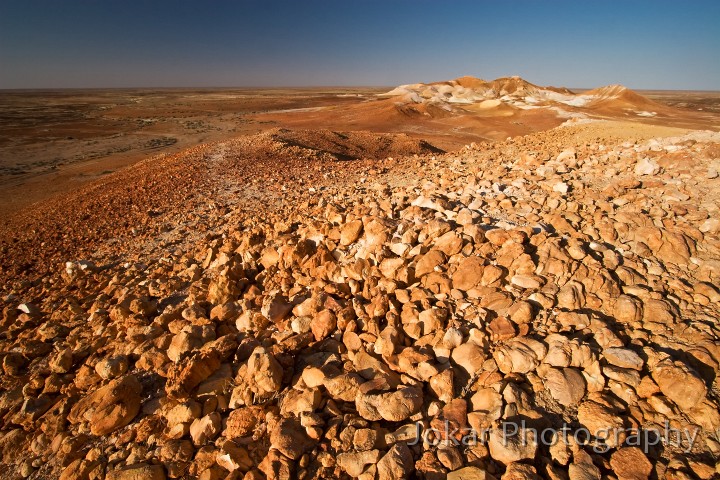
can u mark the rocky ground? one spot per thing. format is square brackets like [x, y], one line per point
[268, 307]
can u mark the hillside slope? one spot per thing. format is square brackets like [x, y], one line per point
[453, 113]
[259, 309]
[520, 94]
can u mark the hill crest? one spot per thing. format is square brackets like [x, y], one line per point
[518, 93]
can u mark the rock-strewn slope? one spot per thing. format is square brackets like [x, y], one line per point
[329, 308]
[184, 195]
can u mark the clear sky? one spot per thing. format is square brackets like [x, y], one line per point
[654, 44]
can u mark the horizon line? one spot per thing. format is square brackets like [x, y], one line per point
[280, 87]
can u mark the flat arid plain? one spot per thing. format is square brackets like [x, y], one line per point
[465, 279]
[53, 141]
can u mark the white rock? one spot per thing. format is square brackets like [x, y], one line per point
[711, 225]
[561, 187]
[646, 166]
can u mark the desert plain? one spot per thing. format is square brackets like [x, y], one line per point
[348, 282]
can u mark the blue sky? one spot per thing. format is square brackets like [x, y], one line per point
[642, 44]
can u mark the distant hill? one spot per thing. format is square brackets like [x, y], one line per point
[518, 93]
